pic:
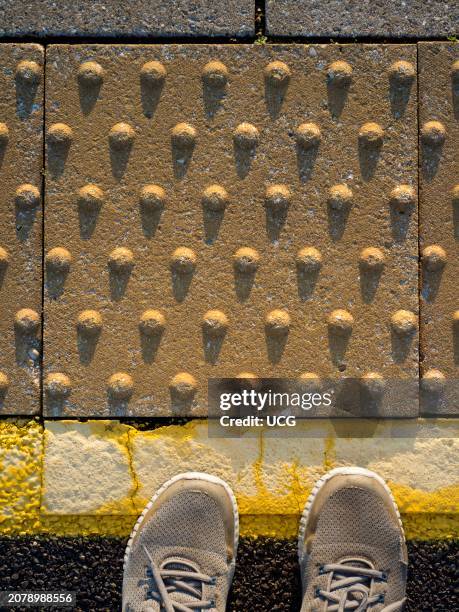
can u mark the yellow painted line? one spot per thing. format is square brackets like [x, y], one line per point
[97, 476]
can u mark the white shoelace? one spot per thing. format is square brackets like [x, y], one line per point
[350, 587]
[170, 581]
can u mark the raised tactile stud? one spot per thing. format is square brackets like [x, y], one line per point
[4, 135]
[339, 73]
[215, 74]
[277, 323]
[183, 260]
[404, 322]
[433, 133]
[183, 136]
[340, 322]
[433, 382]
[28, 72]
[215, 323]
[340, 197]
[121, 136]
[371, 134]
[371, 259]
[153, 74]
[277, 197]
[27, 321]
[402, 73]
[308, 260]
[120, 386]
[183, 386]
[90, 198]
[27, 197]
[246, 136]
[277, 74]
[4, 259]
[402, 197]
[373, 384]
[59, 135]
[4, 384]
[57, 386]
[152, 198]
[58, 260]
[121, 260]
[434, 258]
[89, 323]
[308, 135]
[90, 74]
[152, 323]
[246, 260]
[215, 198]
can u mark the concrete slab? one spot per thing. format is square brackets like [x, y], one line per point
[271, 476]
[365, 18]
[206, 217]
[439, 226]
[21, 163]
[110, 18]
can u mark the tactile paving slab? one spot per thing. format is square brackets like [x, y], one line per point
[439, 226]
[21, 162]
[369, 18]
[215, 210]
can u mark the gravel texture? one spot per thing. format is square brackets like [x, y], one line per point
[372, 18]
[45, 18]
[266, 576]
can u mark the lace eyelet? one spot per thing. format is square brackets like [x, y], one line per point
[213, 580]
[381, 598]
[384, 576]
[316, 591]
[321, 570]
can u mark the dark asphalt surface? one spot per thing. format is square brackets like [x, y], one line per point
[266, 579]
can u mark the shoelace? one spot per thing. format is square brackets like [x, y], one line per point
[350, 587]
[170, 581]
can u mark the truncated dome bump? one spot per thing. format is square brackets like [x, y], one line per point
[27, 196]
[59, 259]
[215, 74]
[27, 321]
[120, 386]
[89, 322]
[183, 386]
[340, 321]
[246, 260]
[215, 323]
[90, 74]
[404, 322]
[152, 322]
[57, 385]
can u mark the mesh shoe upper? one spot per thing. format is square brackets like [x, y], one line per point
[352, 553]
[179, 558]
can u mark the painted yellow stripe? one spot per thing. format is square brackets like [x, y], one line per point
[93, 478]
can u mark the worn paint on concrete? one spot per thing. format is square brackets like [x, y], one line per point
[206, 217]
[439, 226]
[271, 481]
[21, 162]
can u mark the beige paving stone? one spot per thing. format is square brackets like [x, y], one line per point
[87, 468]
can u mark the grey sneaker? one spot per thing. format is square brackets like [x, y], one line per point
[351, 545]
[182, 552]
